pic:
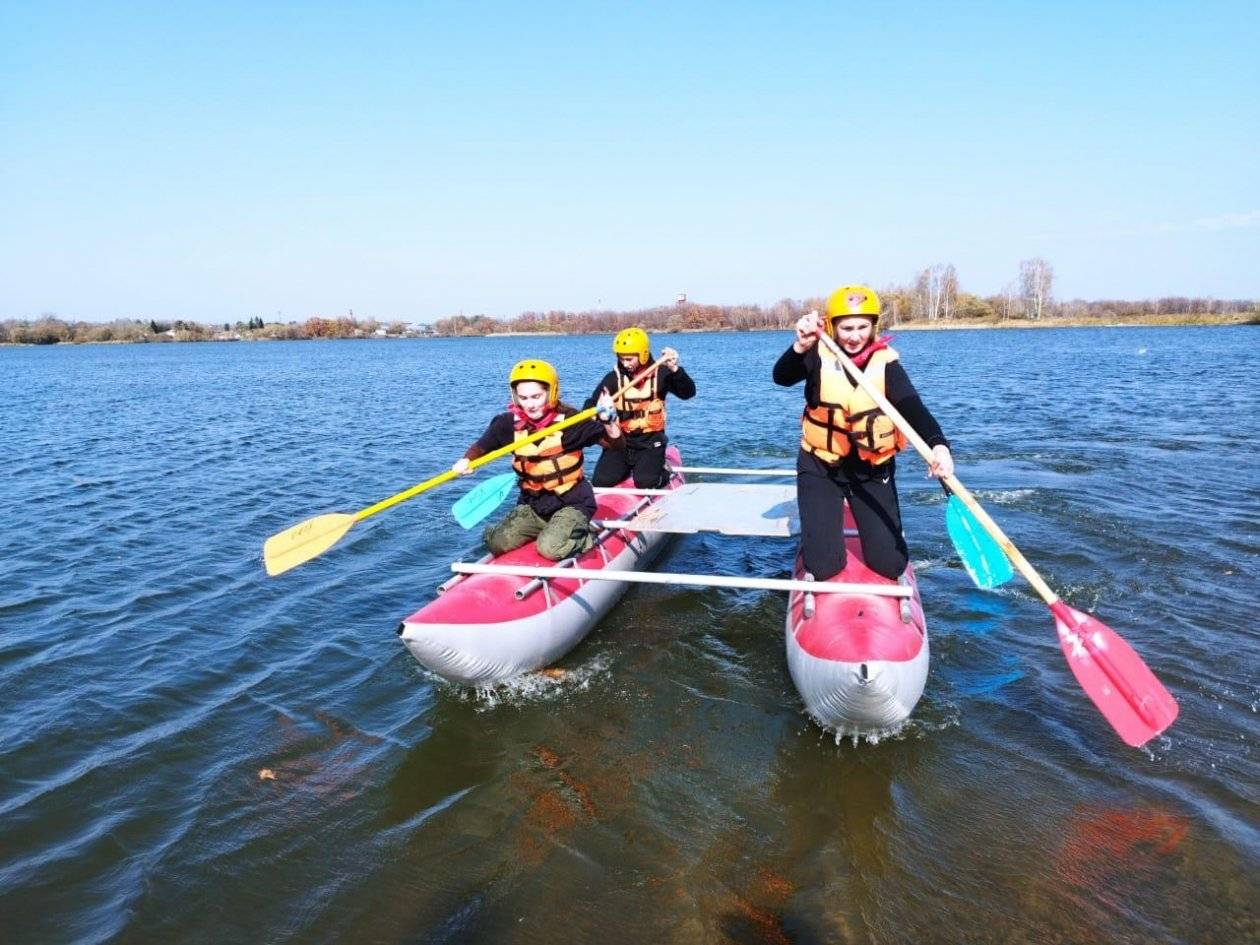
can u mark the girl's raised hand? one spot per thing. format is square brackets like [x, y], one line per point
[807, 328]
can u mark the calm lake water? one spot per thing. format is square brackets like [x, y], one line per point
[668, 788]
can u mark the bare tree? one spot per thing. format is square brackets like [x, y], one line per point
[898, 302]
[922, 296]
[936, 291]
[1036, 280]
[785, 312]
[927, 295]
[1010, 301]
[949, 290]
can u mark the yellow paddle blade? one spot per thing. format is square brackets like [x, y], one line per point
[304, 541]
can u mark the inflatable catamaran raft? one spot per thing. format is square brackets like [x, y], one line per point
[857, 645]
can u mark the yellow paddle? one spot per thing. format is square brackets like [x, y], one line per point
[309, 539]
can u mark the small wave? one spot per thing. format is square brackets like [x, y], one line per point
[1006, 496]
[980, 684]
[1084, 597]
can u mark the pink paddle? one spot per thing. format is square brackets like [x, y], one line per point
[1123, 688]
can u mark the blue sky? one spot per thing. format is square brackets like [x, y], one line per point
[414, 160]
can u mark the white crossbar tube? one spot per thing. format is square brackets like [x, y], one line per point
[693, 580]
[632, 526]
[617, 490]
[452, 581]
[721, 471]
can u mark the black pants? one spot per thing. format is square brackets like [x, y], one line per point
[646, 462]
[820, 494]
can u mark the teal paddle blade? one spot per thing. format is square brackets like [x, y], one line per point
[483, 500]
[981, 555]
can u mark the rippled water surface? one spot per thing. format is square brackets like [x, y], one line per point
[194, 752]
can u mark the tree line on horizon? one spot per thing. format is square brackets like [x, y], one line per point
[49, 329]
[933, 296]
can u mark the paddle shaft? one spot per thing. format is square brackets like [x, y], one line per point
[956, 487]
[579, 417]
[725, 471]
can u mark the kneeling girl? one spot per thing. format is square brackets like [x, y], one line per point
[556, 500]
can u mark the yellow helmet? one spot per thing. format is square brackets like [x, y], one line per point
[852, 300]
[632, 341]
[539, 371]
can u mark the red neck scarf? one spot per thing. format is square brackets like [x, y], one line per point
[521, 422]
[864, 355]
[628, 376]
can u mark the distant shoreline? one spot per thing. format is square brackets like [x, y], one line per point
[1141, 321]
[954, 324]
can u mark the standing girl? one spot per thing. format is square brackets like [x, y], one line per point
[848, 445]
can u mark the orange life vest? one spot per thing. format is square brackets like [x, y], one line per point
[642, 409]
[846, 417]
[546, 466]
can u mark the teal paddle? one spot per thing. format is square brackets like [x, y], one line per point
[484, 499]
[982, 557]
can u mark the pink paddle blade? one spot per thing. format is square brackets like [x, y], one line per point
[1122, 686]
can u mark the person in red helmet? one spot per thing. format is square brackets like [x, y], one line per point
[848, 445]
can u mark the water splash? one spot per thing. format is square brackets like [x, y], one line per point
[924, 723]
[531, 688]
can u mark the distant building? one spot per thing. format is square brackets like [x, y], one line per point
[682, 299]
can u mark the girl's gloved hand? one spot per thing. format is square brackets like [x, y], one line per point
[942, 462]
[605, 409]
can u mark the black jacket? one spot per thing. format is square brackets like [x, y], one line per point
[678, 383]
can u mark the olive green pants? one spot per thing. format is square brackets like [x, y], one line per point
[566, 534]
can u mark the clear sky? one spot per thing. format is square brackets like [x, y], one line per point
[220, 160]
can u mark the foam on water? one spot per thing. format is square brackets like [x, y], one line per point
[916, 727]
[529, 688]
[1005, 496]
